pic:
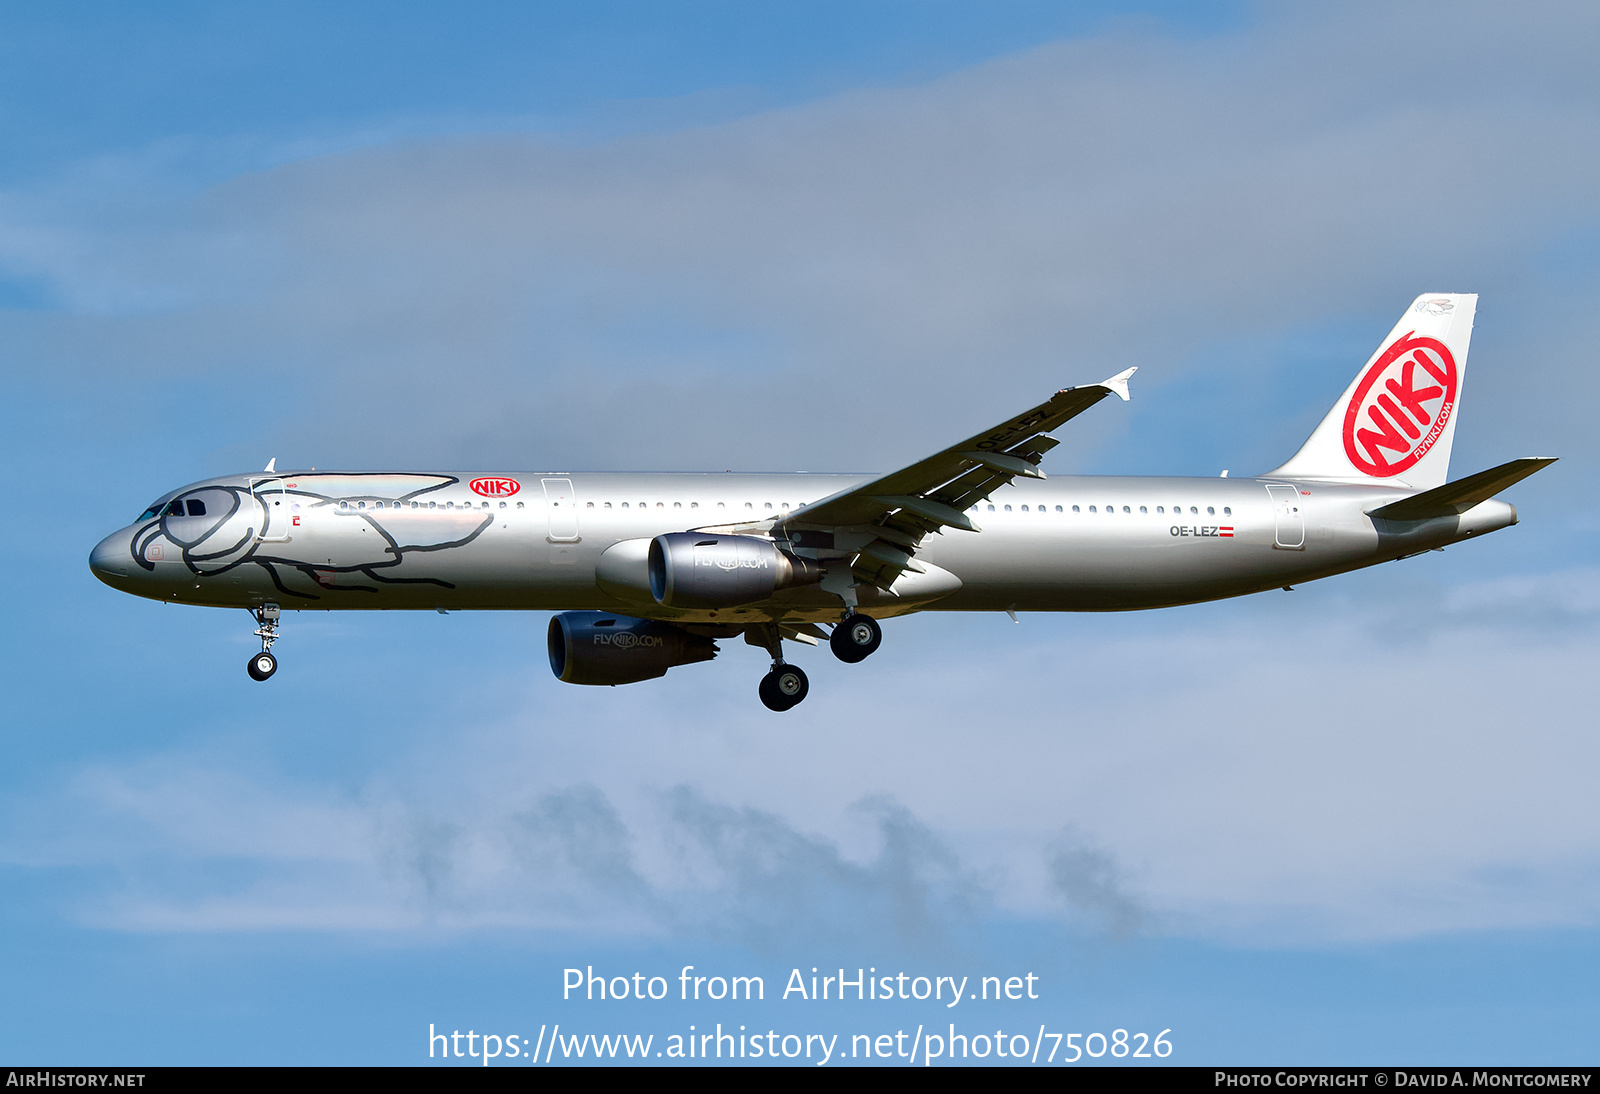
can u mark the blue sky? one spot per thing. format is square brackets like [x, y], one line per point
[832, 237]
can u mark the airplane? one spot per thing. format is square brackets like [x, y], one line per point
[646, 572]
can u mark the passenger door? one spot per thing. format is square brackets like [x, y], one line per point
[561, 515]
[1291, 522]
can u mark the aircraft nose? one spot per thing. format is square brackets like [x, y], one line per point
[111, 560]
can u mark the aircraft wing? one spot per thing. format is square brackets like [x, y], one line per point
[883, 521]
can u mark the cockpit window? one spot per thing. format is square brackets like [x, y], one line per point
[193, 507]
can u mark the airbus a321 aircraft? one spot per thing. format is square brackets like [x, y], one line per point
[648, 571]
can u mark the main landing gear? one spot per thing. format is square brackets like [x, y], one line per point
[263, 664]
[784, 687]
[856, 638]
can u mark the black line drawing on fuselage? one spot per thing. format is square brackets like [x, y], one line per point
[237, 526]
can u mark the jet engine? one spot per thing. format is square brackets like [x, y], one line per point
[699, 570]
[603, 648]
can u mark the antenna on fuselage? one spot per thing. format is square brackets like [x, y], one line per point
[272, 466]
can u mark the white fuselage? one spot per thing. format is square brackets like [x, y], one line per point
[549, 541]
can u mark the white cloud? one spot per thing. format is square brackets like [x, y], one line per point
[853, 276]
[1290, 770]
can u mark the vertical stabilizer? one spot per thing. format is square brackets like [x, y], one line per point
[1396, 421]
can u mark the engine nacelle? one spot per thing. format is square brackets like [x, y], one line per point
[699, 570]
[605, 648]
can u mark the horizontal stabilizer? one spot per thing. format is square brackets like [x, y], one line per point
[1455, 498]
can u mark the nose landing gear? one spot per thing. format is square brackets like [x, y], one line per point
[263, 664]
[856, 638]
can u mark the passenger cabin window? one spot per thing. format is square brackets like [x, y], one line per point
[1075, 509]
[1226, 511]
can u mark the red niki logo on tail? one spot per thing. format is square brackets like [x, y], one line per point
[1390, 425]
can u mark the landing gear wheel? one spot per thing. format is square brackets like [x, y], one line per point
[856, 639]
[263, 664]
[784, 687]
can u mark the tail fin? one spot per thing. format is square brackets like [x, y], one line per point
[1396, 421]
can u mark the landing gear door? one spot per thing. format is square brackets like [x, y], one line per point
[1291, 522]
[274, 503]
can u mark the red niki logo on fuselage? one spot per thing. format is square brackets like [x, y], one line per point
[1401, 407]
[494, 488]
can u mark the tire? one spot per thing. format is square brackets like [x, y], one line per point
[784, 687]
[262, 666]
[856, 638]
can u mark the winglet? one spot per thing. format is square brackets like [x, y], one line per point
[272, 464]
[1118, 384]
